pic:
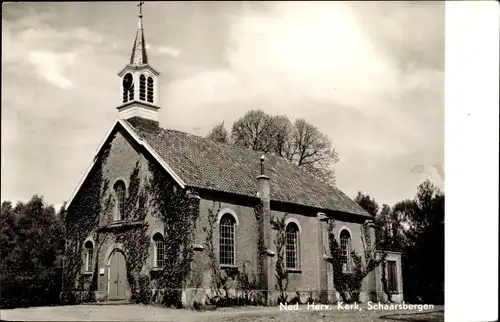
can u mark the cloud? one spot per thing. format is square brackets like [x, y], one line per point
[318, 61]
[163, 51]
[50, 66]
[369, 75]
[316, 50]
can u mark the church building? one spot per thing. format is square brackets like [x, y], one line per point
[120, 230]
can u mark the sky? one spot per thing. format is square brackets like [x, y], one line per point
[370, 75]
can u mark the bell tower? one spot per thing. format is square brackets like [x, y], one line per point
[139, 82]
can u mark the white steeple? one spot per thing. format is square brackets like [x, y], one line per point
[139, 81]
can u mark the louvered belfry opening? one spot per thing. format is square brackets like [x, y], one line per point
[142, 88]
[150, 90]
[125, 95]
[131, 93]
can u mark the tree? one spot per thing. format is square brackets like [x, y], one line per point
[313, 151]
[283, 133]
[32, 246]
[367, 203]
[255, 130]
[416, 226]
[219, 134]
[300, 142]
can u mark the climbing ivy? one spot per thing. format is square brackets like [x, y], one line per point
[348, 284]
[281, 274]
[81, 221]
[155, 194]
[179, 211]
[261, 248]
[224, 279]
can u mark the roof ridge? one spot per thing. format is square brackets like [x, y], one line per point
[250, 151]
[226, 167]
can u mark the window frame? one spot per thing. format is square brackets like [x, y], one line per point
[120, 205]
[232, 219]
[347, 265]
[88, 260]
[297, 252]
[156, 239]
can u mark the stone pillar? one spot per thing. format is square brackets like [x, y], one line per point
[373, 276]
[322, 260]
[265, 259]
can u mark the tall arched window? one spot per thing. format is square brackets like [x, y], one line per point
[150, 90]
[159, 255]
[120, 200]
[89, 253]
[142, 87]
[226, 239]
[345, 250]
[292, 246]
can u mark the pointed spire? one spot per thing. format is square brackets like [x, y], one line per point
[139, 55]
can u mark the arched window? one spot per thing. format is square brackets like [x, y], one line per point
[150, 90]
[292, 246]
[120, 200]
[226, 239]
[345, 250]
[159, 255]
[88, 255]
[142, 87]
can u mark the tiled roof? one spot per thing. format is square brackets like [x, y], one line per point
[202, 163]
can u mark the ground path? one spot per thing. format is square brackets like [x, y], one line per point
[242, 314]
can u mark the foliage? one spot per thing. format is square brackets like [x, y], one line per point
[219, 134]
[179, 211]
[367, 203]
[81, 220]
[31, 249]
[281, 274]
[220, 277]
[348, 284]
[254, 131]
[423, 269]
[261, 246]
[415, 227]
[299, 142]
[91, 214]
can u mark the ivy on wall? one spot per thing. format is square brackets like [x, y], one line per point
[261, 248]
[281, 274]
[224, 279]
[179, 211]
[348, 284]
[156, 195]
[81, 220]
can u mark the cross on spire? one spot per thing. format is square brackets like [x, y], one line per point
[140, 8]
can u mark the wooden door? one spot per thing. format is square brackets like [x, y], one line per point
[118, 277]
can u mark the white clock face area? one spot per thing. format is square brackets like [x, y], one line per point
[128, 81]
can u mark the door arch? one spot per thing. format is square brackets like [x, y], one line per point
[117, 276]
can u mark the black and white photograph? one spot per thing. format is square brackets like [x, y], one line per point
[223, 161]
